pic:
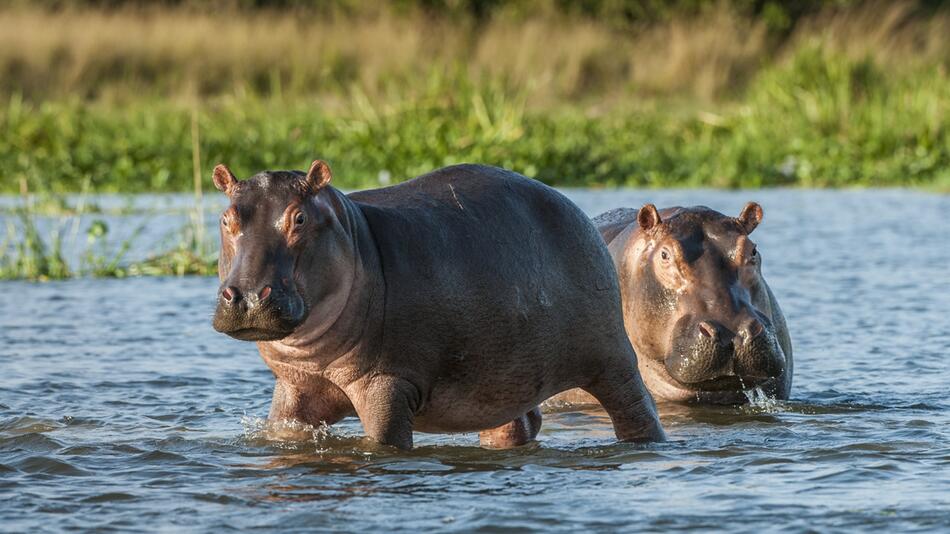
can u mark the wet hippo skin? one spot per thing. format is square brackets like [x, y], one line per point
[454, 302]
[704, 323]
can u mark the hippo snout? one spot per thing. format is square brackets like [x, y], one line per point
[709, 355]
[261, 314]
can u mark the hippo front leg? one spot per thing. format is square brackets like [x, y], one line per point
[386, 407]
[512, 434]
[315, 404]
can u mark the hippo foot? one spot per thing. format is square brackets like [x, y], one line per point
[518, 432]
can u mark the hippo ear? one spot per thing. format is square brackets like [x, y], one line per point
[223, 178]
[648, 217]
[750, 217]
[318, 176]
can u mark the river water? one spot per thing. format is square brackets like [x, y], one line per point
[121, 409]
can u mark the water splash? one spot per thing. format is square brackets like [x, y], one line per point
[760, 401]
[291, 435]
[283, 431]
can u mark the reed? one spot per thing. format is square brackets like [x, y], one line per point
[559, 56]
[40, 229]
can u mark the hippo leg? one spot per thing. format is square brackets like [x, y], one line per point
[513, 434]
[323, 403]
[386, 406]
[621, 392]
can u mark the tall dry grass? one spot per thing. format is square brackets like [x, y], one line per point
[103, 55]
[893, 34]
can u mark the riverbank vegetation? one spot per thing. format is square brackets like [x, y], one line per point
[728, 94]
[147, 97]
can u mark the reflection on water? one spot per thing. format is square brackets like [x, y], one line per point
[121, 409]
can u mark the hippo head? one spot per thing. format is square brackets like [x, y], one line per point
[698, 311]
[276, 223]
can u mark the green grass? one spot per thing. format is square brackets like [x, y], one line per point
[818, 120]
[27, 252]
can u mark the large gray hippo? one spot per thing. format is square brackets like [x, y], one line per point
[457, 301]
[704, 323]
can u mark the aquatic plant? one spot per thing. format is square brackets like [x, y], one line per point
[28, 253]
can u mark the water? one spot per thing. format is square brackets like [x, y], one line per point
[121, 409]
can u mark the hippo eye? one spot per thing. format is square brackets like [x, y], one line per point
[300, 218]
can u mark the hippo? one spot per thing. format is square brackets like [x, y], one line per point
[453, 302]
[705, 325]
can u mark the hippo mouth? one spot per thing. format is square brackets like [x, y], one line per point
[262, 327]
[716, 368]
[276, 319]
[258, 334]
[730, 383]
[725, 390]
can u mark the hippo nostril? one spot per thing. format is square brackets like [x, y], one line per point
[707, 329]
[755, 329]
[751, 330]
[230, 294]
[264, 293]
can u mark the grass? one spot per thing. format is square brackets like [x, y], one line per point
[181, 53]
[819, 119]
[852, 94]
[707, 53]
[29, 253]
[26, 254]
[846, 96]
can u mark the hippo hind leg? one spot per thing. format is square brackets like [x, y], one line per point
[514, 433]
[621, 392]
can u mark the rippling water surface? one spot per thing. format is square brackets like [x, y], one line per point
[120, 408]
